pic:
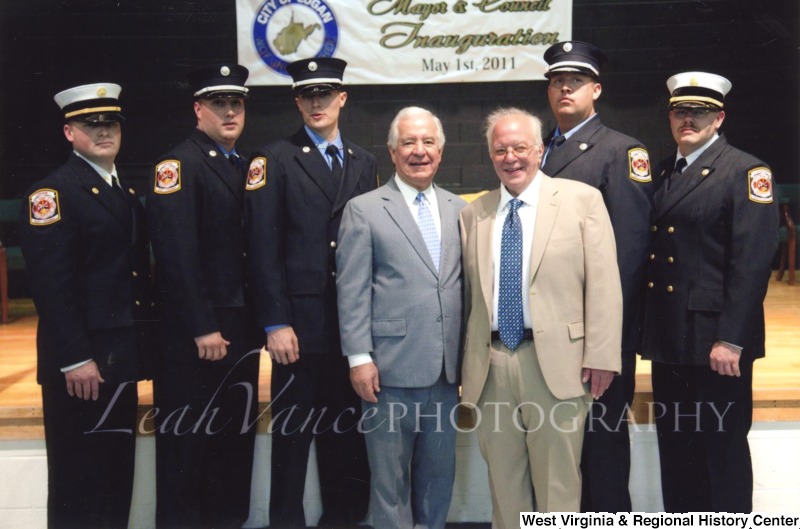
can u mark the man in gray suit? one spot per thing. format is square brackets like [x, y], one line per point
[400, 315]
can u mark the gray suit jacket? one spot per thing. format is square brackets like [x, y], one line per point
[392, 302]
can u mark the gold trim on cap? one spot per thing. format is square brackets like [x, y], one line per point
[93, 110]
[699, 99]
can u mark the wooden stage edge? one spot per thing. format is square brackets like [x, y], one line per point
[776, 386]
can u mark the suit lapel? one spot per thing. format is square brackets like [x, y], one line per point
[315, 166]
[447, 220]
[400, 214]
[546, 213]
[578, 144]
[485, 228]
[228, 174]
[352, 170]
[661, 183]
[232, 178]
[98, 188]
[692, 177]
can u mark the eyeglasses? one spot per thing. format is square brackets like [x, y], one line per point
[520, 151]
[696, 113]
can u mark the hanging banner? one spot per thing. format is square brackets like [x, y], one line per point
[402, 41]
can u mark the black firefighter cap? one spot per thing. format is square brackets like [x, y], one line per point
[219, 80]
[91, 103]
[319, 74]
[574, 56]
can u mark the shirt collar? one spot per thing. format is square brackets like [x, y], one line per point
[320, 142]
[696, 154]
[105, 175]
[225, 152]
[530, 195]
[573, 130]
[410, 193]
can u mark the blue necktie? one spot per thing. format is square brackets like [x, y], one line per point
[510, 322]
[428, 229]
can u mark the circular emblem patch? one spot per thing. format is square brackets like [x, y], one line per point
[288, 30]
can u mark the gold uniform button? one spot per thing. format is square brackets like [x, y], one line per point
[333, 244]
[670, 230]
[138, 303]
[653, 228]
[135, 273]
[669, 288]
[650, 284]
[95, 191]
[652, 256]
[670, 260]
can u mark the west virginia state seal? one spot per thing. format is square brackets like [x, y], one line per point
[287, 30]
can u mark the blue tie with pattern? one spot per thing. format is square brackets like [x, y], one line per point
[510, 322]
[428, 229]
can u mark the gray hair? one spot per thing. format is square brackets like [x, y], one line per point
[407, 112]
[500, 113]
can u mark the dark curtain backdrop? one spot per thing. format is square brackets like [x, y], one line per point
[148, 46]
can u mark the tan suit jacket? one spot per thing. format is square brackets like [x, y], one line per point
[575, 293]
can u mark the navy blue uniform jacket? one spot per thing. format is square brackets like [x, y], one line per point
[713, 242]
[88, 267]
[198, 241]
[602, 157]
[292, 219]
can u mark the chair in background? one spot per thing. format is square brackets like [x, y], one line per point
[10, 256]
[788, 197]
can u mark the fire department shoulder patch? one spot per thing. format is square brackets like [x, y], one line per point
[168, 177]
[759, 182]
[639, 165]
[257, 174]
[43, 208]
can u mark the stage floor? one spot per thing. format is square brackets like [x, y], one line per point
[776, 381]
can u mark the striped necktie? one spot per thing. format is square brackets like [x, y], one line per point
[428, 229]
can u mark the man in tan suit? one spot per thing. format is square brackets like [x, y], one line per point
[544, 319]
